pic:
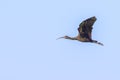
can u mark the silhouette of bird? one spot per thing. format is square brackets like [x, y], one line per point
[85, 31]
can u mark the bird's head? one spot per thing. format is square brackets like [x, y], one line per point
[65, 37]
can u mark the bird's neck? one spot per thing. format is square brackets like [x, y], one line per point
[72, 38]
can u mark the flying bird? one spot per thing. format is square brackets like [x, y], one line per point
[85, 31]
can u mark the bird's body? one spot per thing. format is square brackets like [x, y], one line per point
[85, 31]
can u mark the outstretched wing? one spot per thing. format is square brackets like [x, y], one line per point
[85, 28]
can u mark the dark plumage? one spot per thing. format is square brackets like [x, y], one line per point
[85, 31]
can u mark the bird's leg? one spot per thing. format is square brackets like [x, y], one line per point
[94, 41]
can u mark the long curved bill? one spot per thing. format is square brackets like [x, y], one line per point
[59, 38]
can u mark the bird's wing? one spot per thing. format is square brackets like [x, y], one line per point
[85, 28]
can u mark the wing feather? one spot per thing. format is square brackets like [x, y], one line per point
[85, 28]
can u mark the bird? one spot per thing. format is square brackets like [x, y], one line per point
[85, 31]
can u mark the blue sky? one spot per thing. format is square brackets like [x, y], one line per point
[29, 49]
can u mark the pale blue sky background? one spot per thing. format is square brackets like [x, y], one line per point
[29, 49]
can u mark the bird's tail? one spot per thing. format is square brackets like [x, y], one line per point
[94, 41]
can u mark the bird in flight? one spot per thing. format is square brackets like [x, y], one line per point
[85, 31]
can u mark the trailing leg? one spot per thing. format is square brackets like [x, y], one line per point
[94, 41]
